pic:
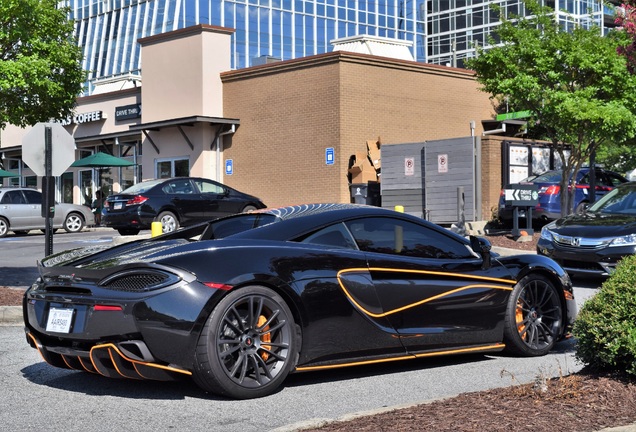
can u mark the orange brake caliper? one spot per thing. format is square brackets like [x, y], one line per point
[267, 337]
[519, 318]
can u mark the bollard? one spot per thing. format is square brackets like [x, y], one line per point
[399, 208]
[156, 229]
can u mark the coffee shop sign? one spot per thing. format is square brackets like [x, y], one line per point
[88, 117]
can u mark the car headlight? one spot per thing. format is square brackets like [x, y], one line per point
[628, 240]
[546, 234]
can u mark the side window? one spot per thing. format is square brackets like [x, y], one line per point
[13, 197]
[614, 180]
[334, 235]
[179, 186]
[398, 237]
[33, 197]
[209, 187]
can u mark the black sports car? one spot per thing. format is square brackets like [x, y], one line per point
[240, 302]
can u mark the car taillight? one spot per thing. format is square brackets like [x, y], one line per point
[139, 199]
[550, 190]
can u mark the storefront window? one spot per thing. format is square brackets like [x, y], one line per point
[86, 187]
[66, 180]
[172, 168]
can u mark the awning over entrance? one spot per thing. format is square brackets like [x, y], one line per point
[179, 123]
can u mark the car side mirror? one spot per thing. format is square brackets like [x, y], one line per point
[482, 247]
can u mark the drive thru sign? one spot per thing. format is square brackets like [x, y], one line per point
[522, 195]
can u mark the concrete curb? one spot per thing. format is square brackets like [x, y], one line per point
[11, 315]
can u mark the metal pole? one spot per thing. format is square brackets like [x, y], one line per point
[49, 188]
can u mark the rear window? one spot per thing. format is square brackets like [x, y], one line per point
[141, 187]
[233, 225]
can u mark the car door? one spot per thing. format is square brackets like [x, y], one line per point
[434, 290]
[216, 201]
[183, 195]
[16, 209]
[34, 201]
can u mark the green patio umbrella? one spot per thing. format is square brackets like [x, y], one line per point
[101, 160]
[4, 174]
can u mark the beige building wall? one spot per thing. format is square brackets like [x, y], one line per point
[292, 111]
[181, 72]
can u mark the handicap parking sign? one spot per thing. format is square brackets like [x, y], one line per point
[329, 156]
[229, 167]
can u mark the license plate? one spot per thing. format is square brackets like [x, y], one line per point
[59, 320]
[118, 206]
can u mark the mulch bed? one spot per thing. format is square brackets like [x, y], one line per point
[580, 402]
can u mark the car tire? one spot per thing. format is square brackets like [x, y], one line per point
[534, 316]
[248, 345]
[128, 231]
[169, 222]
[4, 227]
[248, 208]
[73, 223]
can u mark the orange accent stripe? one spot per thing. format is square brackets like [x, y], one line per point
[110, 354]
[407, 357]
[84, 366]
[37, 346]
[67, 363]
[460, 275]
[134, 362]
[418, 303]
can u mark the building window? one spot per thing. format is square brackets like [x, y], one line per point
[177, 167]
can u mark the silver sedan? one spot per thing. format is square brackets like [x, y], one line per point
[21, 211]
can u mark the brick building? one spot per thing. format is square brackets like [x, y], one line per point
[265, 129]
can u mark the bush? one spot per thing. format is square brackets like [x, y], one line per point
[606, 325]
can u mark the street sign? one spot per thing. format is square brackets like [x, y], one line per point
[514, 115]
[62, 145]
[522, 195]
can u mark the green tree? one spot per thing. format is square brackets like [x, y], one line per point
[575, 83]
[40, 62]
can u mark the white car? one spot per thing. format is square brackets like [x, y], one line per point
[21, 211]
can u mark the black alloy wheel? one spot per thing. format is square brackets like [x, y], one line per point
[248, 345]
[533, 317]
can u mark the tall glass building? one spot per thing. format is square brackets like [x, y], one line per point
[282, 29]
[440, 31]
[456, 27]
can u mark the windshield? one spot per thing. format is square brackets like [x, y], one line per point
[621, 200]
[142, 187]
